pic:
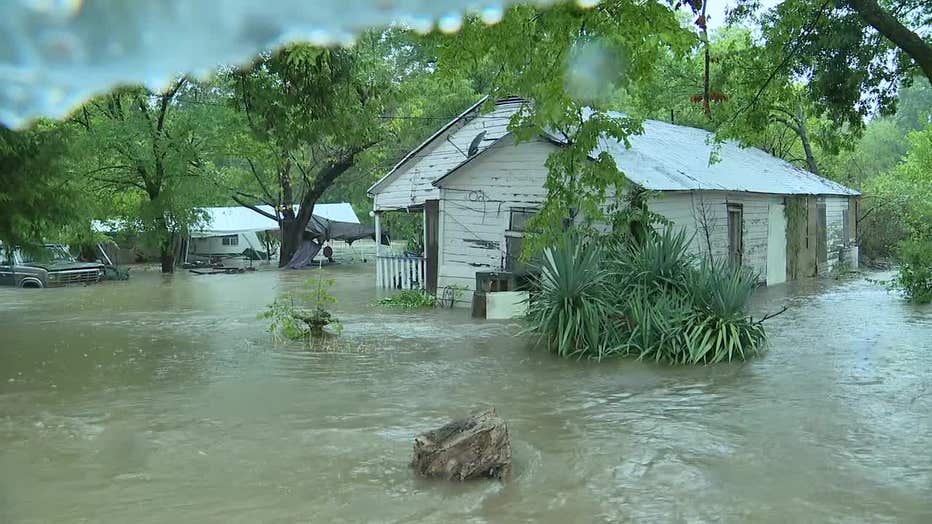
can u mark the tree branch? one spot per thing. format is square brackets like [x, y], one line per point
[786, 60]
[262, 185]
[901, 36]
[254, 208]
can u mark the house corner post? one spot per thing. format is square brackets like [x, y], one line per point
[378, 248]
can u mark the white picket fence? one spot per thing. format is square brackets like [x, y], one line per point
[399, 272]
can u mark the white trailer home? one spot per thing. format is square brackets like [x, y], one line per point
[477, 186]
[228, 231]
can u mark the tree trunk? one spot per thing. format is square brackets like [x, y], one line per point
[475, 447]
[292, 234]
[167, 256]
[901, 36]
[807, 144]
[706, 91]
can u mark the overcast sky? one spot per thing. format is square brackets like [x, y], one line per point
[716, 10]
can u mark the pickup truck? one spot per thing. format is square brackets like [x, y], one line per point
[46, 266]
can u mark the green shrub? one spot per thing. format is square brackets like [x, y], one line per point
[570, 310]
[409, 299]
[719, 327]
[914, 277]
[655, 302]
[302, 315]
[656, 322]
[661, 262]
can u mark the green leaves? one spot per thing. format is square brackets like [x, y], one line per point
[652, 301]
[569, 308]
[571, 64]
[409, 299]
[37, 196]
[303, 314]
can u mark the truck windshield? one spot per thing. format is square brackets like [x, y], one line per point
[45, 254]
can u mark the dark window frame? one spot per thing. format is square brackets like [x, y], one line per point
[735, 244]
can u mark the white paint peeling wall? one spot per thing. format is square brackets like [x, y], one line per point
[476, 204]
[704, 216]
[411, 185]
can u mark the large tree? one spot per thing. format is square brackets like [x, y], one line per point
[309, 113]
[37, 197]
[570, 63]
[852, 55]
[726, 85]
[145, 151]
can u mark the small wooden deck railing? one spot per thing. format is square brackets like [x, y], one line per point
[399, 272]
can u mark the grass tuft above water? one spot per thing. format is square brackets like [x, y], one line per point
[409, 299]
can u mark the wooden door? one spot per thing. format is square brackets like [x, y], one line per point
[432, 244]
[801, 237]
[776, 245]
[820, 232]
[735, 234]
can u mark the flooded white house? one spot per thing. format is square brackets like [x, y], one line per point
[477, 186]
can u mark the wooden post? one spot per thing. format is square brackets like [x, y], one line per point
[423, 252]
[378, 248]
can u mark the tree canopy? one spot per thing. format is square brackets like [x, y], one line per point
[36, 192]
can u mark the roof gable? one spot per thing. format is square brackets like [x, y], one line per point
[411, 154]
[445, 149]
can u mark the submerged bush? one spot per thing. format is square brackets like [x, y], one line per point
[654, 301]
[570, 308]
[660, 263]
[719, 327]
[303, 315]
[409, 299]
[914, 277]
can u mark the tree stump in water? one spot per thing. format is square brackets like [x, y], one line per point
[474, 447]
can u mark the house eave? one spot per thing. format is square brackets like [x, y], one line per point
[373, 189]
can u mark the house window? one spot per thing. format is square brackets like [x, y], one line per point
[514, 239]
[230, 240]
[735, 234]
[519, 218]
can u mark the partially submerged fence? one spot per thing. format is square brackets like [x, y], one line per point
[400, 272]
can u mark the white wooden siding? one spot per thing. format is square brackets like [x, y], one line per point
[411, 185]
[475, 207]
[690, 210]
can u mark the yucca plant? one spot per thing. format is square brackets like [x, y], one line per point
[661, 262]
[569, 309]
[720, 328]
[721, 288]
[655, 321]
[653, 301]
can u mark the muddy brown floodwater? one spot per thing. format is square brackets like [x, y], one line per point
[162, 399]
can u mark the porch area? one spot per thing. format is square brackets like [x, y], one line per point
[398, 268]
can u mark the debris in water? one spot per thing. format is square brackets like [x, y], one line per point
[471, 448]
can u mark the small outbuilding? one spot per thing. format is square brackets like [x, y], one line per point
[477, 187]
